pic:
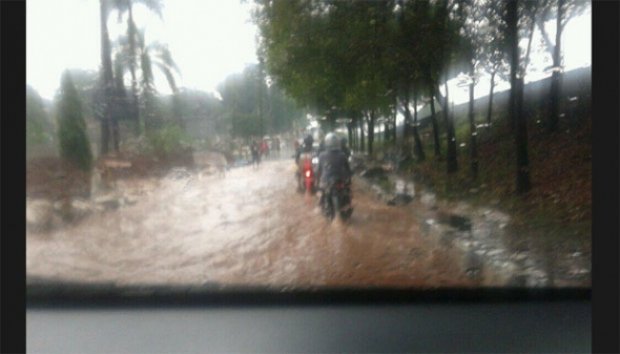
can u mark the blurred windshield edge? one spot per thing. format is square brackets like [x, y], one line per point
[50, 293]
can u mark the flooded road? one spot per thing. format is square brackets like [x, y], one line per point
[251, 227]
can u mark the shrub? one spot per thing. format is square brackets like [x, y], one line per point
[168, 141]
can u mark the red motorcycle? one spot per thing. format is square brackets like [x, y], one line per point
[306, 181]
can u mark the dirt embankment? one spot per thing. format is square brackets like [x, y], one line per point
[560, 173]
[53, 179]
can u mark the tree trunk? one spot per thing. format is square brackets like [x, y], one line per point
[490, 110]
[353, 134]
[362, 142]
[386, 131]
[407, 122]
[523, 177]
[436, 141]
[150, 121]
[523, 172]
[105, 135]
[554, 99]
[350, 135]
[371, 131]
[115, 134]
[473, 148]
[107, 77]
[451, 161]
[419, 150]
[394, 116]
[135, 106]
[351, 131]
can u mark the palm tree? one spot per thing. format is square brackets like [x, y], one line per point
[132, 55]
[157, 54]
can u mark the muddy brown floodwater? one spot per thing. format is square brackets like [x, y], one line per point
[250, 227]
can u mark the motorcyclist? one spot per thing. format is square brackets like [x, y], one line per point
[333, 165]
[306, 146]
[308, 141]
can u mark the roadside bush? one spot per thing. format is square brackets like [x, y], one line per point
[39, 129]
[169, 140]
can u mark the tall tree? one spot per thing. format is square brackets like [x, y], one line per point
[523, 184]
[107, 81]
[121, 108]
[428, 33]
[241, 104]
[472, 19]
[74, 144]
[493, 56]
[445, 31]
[410, 59]
[563, 11]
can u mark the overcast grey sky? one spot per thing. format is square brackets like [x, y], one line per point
[209, 39]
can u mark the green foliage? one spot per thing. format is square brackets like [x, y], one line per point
[202, 113]
[245, 125]
[253, 108]
[168, 140]
[350, 57]
[74, 144]
[39, 129]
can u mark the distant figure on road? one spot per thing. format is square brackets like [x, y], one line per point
[255, 149]
[264, 148]
[276, 146]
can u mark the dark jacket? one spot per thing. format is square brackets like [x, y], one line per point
[308, 141]
[302, 149]
[333, 166]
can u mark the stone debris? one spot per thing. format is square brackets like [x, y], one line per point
[40, 214]
[400, 200]
[178, 173]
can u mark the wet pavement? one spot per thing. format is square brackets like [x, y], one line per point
[251, 227]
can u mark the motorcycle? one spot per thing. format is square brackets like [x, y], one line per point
[306, 179]
[337, 201]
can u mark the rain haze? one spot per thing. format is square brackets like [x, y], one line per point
[167, 153]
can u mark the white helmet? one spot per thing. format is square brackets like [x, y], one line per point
[332, 142]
